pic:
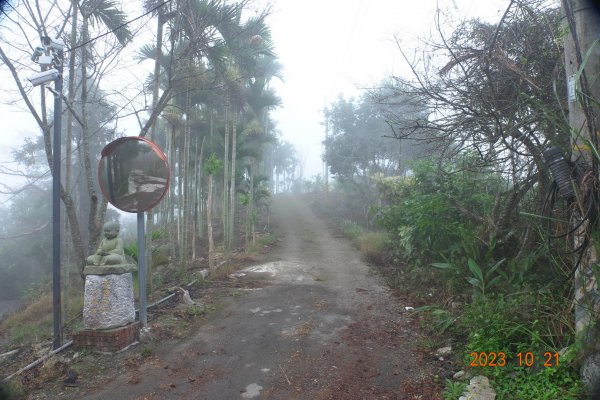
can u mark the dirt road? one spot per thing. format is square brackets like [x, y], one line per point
[323, 328]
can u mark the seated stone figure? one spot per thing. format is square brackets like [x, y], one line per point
[110, 251]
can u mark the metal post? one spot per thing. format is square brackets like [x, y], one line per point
[56, 160]
[142, 268]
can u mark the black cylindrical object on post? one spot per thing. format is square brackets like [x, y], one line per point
[562, 171]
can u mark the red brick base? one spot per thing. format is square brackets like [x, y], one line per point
[107, 340]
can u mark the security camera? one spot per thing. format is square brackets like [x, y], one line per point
[39, 51]
[44, 77]
[46, 61]
[53, 43]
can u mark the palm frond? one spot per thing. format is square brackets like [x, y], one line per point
[107, 13]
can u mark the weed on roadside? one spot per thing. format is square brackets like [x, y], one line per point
[147, 352]
[454, 390]
[11, 391]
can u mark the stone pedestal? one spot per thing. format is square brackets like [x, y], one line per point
[108, 301]
[108, 310]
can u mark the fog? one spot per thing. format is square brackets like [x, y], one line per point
[326, 50]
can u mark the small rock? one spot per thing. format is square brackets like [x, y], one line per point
[444, 351]
[455, 305]
[479, 389]
[563, 351]
[145, 335]
[71, 379]
[460, 374]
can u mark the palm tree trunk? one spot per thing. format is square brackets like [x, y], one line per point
[211, 244]
[186, 181]
[180, 200]
[252, 204]
[226, 237]
[200, 191]
[195, 189]
[232, 194]
[194, 202]
[150, 213]
[171, 226]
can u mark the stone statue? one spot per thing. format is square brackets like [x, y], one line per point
[110, 251]
[108, 300]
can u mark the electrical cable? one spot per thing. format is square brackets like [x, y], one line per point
[590, 215]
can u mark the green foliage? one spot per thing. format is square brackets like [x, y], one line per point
[11, 391]
[159, 234]
[481, 280]
[28, 212]
[147, 352]
[313, 185]
[549, 383]
[351, 229]
[437, 212]
[357, 143]
[131, 250]
[442, 319]
[372, 245]
[195, 310]
[513, 324]
[32, 323]
[159, 254]
[38, 289]
[454, 390]
[213, 164]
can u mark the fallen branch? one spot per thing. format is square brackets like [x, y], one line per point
[39, 361]
[9, 353]
[284, 374]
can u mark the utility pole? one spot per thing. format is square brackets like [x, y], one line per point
[51, 57]
[582, 64]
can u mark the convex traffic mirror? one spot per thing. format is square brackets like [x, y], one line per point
[133, 174]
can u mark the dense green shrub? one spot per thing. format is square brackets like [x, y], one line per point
[437, 212]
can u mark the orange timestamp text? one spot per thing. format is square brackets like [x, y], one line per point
[523, 359]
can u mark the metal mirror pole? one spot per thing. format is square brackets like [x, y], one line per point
[142, 268]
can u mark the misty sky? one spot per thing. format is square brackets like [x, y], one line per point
[340, 46]
[326, 48]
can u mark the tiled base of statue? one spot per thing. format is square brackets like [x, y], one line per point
[108, 302]
[107, 340]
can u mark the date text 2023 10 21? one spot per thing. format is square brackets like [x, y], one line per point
[522, 359]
